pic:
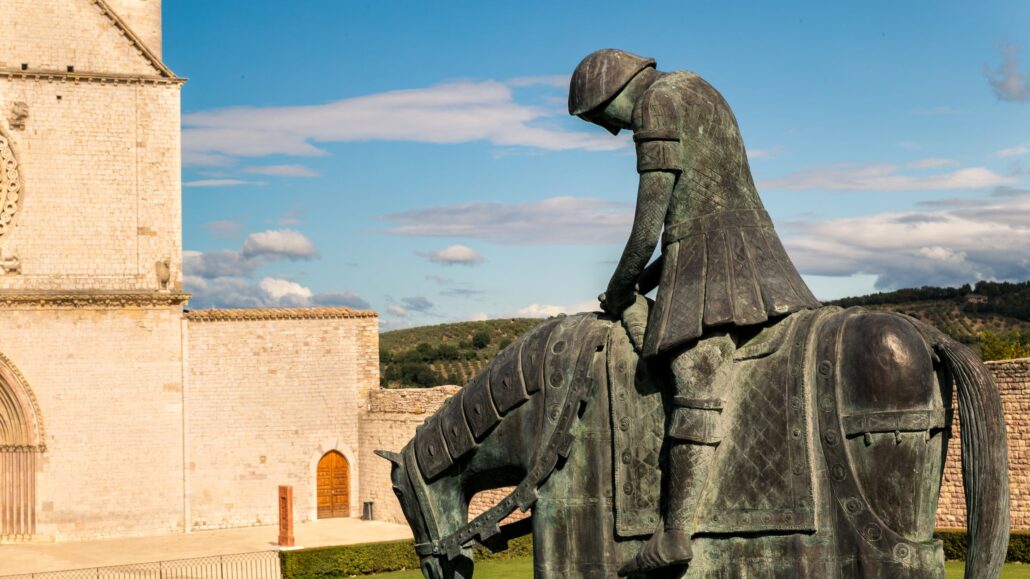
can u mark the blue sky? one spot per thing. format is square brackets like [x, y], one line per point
[417, 158]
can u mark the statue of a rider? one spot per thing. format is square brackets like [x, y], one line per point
[722, 274]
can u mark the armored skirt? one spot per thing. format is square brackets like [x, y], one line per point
[727, 268]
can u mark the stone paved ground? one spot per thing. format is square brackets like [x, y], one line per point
[38, 557]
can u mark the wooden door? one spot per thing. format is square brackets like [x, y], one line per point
[333, 486]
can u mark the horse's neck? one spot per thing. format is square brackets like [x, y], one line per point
[447, 504]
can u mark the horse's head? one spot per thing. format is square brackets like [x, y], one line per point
[433, 566]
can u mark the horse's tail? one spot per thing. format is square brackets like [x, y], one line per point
[984, 459]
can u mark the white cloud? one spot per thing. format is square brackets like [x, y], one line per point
[345, 299]
[285, 243]
[224, 229]
[1016, 151]
[198, 159]
[284, 291]
[218, 183]
[259, 249]
[539, 311]
[555, 80]
[556, 220]
[417, 304]
[884, 177]
[454, 255]
[454, 112]
[217, 263]
[397, 310]
[931, 163]
[1008, 81]
[221, 278]
[283, 171]
[546, 310]
[960, 243]
[269, 292]
[770, 153]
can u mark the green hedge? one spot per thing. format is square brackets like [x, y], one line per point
[369, 558]
[955, 542]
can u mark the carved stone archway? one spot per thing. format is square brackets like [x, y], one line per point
[21, 443]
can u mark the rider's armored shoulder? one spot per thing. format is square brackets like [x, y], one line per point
[656, 113]
[656, 130]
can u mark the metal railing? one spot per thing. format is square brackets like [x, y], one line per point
[260, 565]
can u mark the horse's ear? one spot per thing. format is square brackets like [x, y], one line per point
[393, 457]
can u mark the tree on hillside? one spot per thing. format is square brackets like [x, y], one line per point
[480, 340]
[995, 347]
[411, 374]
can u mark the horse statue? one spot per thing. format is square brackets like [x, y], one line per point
[830, 467]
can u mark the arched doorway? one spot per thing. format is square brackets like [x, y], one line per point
[21, 436]
[333, 486]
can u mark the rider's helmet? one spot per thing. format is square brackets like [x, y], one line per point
[600, 77]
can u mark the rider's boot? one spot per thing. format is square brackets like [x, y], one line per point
[670, 544]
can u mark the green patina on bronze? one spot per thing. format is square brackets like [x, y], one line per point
[732, 428]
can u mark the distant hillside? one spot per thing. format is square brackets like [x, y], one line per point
[964, 313]
[445, 353]
[994, 317]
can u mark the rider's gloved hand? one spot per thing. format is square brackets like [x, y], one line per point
[634, 319]
[616, 300]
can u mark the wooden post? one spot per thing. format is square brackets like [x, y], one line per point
[285, 516]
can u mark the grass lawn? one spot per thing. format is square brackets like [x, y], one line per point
[1011, 571]
[521, 568]
[503, 569]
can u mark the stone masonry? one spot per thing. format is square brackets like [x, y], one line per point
[143, 419]
[94, 123]
[269, 392]
[1013, 379]
[108, 380]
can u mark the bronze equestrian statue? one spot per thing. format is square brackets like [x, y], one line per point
[733, 428]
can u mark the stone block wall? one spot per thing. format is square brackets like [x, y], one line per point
[143, 17]
[269, 392]
[1013, 379]
[108, 381]
[100, 174]
[50, 35]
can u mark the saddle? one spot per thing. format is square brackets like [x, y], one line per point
[762, 478]
[762, 469]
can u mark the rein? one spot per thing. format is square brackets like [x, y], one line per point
[559, 443]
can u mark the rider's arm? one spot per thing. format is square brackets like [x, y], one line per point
[652, 201]
[659, 162]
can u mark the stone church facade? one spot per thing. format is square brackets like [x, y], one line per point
[121, 413]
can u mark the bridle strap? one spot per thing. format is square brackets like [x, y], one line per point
[418, 485]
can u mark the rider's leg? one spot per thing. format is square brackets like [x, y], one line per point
[695, 429]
